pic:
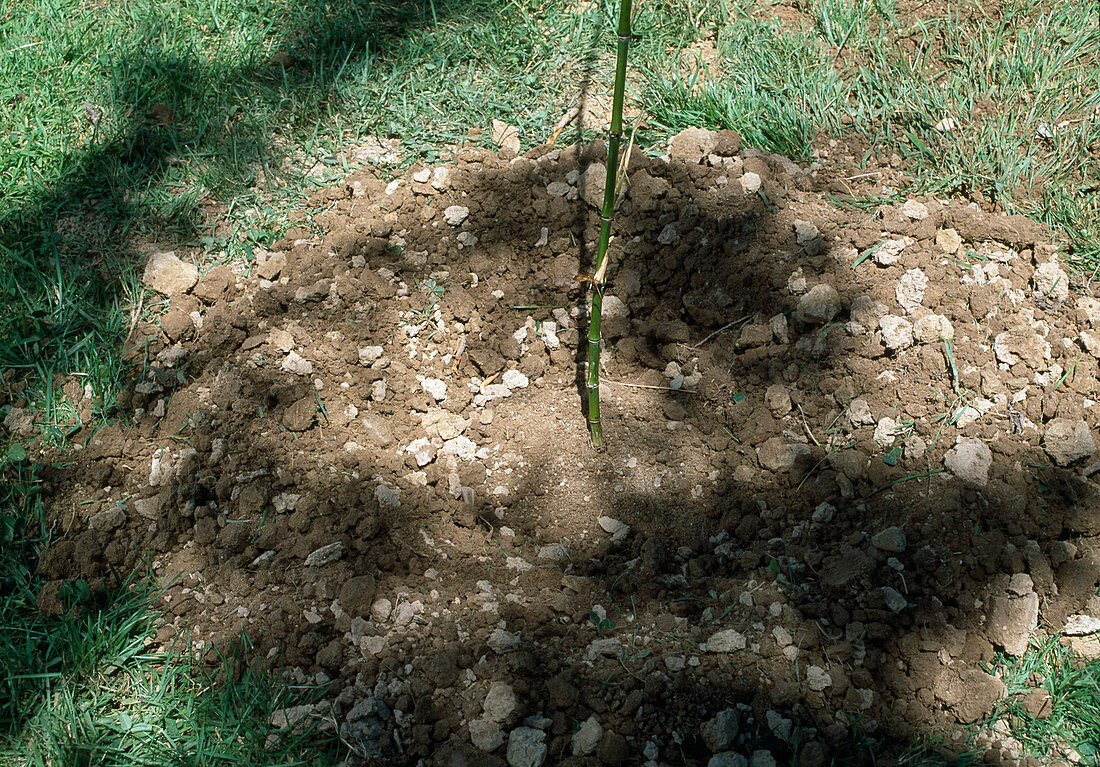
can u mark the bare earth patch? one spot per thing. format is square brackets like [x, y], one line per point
[848, 461]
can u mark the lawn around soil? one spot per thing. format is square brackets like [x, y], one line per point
[737, 439]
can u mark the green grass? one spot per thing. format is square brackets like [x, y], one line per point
[1074, 688]
[1006, 81]
[81, 689]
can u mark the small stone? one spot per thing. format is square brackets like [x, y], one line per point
[387, 497]
[914, 210]
[897, 332]
[615, 319]
[780, 333]
[778, 724]
[668, 235]
[270, 265]
[859, 412]
[891, 539]
[553, 552]
[866, 312]
[948, 241]
[435, 387]
[818, 678]
[720, 732]
[913, 447]
[526, 747]
[1081, 625]
[796, 282]
[910, 290]
[325, 555]
[558, 188]
[727, 759]
[933, 328]
[1088, 310]
[970, 460]
[299, 416]
[1011, 622]
[456, 214]
[1089, 340]
[591, 184]
[168, 275]
[618, 530]
[751, 183]
[501, 641]
[675, 663]
[726, 641]
[514, 379]
[778, 400]
[819, 305]
[296, 364]
[106, 521]
[587, 737]
[1021, 585]
[313, 293]
[762, 758]
[805, 232]
[405, 612]
[377, 430]
[885, 433]
[505, 136]
[443, 424]
[500, 702]
[605, 648]
[825, 512]
[486, 736]
[1050, 282]
[460, 447]
[422, 176]
[776, 455]
[1068, 441]
[894, 600]
[20, 421]
[369, 354]
[380, 611]
[888, 252]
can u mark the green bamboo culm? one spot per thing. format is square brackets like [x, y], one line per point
[598, 273]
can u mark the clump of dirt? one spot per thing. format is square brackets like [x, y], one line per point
[849, 459]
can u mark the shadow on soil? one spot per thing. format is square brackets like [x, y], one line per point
[716, 542]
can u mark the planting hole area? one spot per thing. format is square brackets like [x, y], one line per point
[845, 510]
[847, 461]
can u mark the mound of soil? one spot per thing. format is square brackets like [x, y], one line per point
[848, 459]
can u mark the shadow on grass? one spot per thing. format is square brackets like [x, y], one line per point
[180, 132]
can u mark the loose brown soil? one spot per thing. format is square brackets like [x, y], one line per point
[369, 452]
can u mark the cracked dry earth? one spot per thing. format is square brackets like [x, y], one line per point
[849, 458]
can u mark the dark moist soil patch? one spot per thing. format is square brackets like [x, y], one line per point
[369, 452]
